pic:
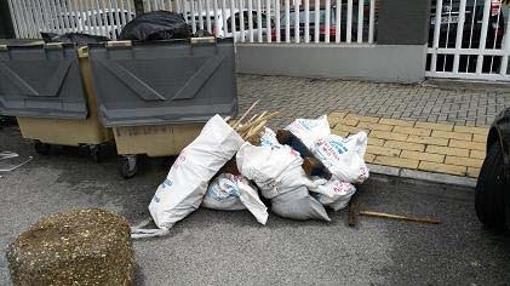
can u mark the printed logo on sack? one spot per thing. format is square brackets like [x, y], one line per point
[363, 175]
[218, 193]
[268, 140]
[264, 142]
[339, 146]
[167, 183]
[234, 178]
[298, 127]
[340, 187]
[328, 150]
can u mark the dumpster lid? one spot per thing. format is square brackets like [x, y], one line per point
[163, 82]
[41, 81]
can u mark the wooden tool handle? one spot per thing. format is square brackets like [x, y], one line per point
[399, 217]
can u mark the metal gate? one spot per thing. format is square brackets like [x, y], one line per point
[469, 39]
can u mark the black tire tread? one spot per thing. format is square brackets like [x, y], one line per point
[490, 190]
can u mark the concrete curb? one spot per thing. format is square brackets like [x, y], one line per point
[424, 176]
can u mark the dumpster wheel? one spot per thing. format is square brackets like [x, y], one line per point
[41, 148]
[128, 165]
[95, 153]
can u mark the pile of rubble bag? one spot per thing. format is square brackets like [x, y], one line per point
[300, 170]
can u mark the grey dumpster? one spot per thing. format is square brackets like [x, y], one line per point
[48, 88]
[157, 96]
[41, 81]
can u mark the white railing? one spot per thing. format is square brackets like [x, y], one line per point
[469, 39]
[98, 17]
[247, 21]
[288, 21]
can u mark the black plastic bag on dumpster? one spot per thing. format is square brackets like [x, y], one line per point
[73, 38]
[157, 25]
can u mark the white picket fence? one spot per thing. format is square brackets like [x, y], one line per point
[469, 39]
[252, 21]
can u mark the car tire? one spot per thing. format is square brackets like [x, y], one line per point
[490, 189]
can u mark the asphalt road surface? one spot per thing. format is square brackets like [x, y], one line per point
[231, 248]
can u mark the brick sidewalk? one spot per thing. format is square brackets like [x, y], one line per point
[301, 97]
[433, 147]
[412, 127]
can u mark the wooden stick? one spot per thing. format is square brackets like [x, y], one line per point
[271, 115]
[249, 125]
[399, 217]
[252, 118]
[265, 117]
[244, 114]
[262, 115]
[255, 122]
[255, 130]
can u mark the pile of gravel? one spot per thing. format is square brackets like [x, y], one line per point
[82, 247]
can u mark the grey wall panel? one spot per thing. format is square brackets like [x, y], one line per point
[386, 63]
[6, 28]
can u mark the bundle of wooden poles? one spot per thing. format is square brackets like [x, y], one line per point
[251, 127]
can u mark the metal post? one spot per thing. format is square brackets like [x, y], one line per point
[6, 25]
[410, 27]
[139, 10]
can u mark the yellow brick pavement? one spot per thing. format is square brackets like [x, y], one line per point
[433, 147]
